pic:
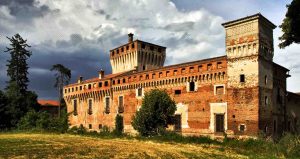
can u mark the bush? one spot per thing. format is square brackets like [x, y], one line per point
[157, 108]
[78, 130]
[44, 122]
[289, 145]
[119, 126]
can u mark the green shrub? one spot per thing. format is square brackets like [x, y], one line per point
[157, 108]
[119, 126]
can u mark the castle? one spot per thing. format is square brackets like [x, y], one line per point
[242, 93]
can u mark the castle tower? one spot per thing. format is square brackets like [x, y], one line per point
[249, 50]
[137, 55]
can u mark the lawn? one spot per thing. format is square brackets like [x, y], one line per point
[23, 145]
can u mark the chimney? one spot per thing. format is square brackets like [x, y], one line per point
[80, 79]
[101, 74]
[130, 37]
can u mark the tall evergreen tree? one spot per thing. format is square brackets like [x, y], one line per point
[19, 100]
[17, 65]
[3, 117]
[63, 76]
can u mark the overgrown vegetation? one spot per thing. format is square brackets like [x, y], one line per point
[42, 121]
[156, 110]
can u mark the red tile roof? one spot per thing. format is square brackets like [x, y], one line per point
[48, 102]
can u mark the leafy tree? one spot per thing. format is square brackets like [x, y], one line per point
[157, 108]
[17, 65]
[63, 76]
[290, 25]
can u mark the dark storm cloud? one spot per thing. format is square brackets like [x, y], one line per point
[24, 9]
[85, 61]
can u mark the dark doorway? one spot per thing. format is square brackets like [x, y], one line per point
[219, 122]
[177, 122]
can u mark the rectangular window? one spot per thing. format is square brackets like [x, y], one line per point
[147, 76]
[183, 71]
[132, 45]
[75, 107]
[209, 67]
[107, 105]
[191, 86]
[100, 126]
[106, 83]
[80, 88]
[153, 76]
[100, 84]
[200, 68]
[160, 74]
[140, 92]
[121, 104]
[219, 65]
[191, 69]
[219, 90]
[90, 110]
[90, 126]
[242, 128]
[168, 73]
[143, 46]
[242, 78]
[177, 92]
[175, 72]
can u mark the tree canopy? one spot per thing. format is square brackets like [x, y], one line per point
[291, 25]
[157, 108]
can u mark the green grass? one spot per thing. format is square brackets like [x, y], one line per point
[108, 145]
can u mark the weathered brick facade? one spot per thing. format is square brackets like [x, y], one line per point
[236, 93]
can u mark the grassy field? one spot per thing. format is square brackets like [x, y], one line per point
[22, 145]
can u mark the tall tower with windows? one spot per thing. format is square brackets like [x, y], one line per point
[249, 50]
[137, 55]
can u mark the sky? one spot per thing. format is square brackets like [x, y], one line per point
[80, 33]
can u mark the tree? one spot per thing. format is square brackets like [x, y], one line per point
[290, 25]
[17, 66]
[157, 108]
[119, 126]
[19, 100]
[63, 76]
[3, 117]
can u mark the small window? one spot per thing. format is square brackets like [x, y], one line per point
[209, 67]
[127, 47]
[121, 104]
[90, 126]
[153, 76]
[107, 105]
[175, 72]
[266, 101]
[76, 89]
[90, 110]
[219, 90]
[140, 92]
[266, 79]
[119, 81]
[75, 107]
[141, 77]
[80, 88]
[144, 67]
[113, 81]
[182, 70]
[147, 76]
[191, 69]
[168, 73]
[89, 86]
[177, 92]
[65, 90]
[242, 128]
[100, 84]
[159, 49]
[242, 78]
[122, 49]
[132, 45]
[124, 81]
[100, 126]
[143, 46]
[106, 83]
[200, 68]
[117, 51]
[72, 89]
[219, 65]
[160, 74]
[192, 86]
